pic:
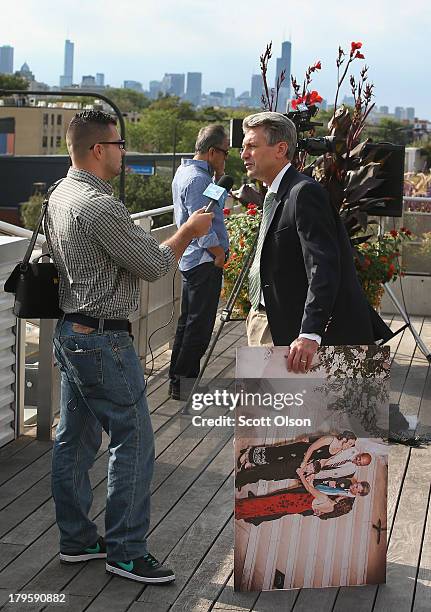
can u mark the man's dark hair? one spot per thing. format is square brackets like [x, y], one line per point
[86, 129]
[210, 136]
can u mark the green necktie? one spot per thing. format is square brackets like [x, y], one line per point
[254, 288]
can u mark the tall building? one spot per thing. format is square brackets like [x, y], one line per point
[410, 113]
[384, 110]
[283, 63]
[155, 89]
[135, 85]
[194, 87]
[6, 59]
[67, 79]
[399, 113]
[256, 89]
[26, 73]
[88, 80]
[100, 79]
[173, 84]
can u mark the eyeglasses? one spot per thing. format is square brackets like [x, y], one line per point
[225, 151]
[121, 143]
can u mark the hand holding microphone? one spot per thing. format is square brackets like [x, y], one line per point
[217, 191]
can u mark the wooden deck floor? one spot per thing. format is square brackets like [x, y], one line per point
[192, 526]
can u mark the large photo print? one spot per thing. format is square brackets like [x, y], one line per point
[311, 472]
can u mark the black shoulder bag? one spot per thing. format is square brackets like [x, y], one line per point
[35, 284]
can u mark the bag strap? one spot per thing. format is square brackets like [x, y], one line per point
[39, 223]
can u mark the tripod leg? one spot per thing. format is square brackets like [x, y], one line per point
[224, 318]
[421, 345]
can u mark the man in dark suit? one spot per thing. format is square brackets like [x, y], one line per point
[303, 285]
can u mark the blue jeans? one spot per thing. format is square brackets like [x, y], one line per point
[102, 387]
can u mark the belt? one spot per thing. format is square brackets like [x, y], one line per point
[103, 324]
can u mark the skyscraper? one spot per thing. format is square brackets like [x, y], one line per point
[155, 89]
[6, 59]
[410, 113]
[67, 79]
[100, 79]
[283, 63]
[194, 87]
[173, 84]
[256, 89]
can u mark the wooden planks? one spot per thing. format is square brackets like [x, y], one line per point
[191, 518]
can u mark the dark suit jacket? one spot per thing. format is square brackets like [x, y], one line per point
[308, 276]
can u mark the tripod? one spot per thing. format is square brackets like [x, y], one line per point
[408, 324]
[226, 315]
[419, 342]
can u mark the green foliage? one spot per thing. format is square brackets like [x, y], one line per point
[235, 167]
[242, 229]
[390, 130]
[147, 193]
[10, 81]
[30, 212]
[378, 262]
[127, 99]
[156, 131]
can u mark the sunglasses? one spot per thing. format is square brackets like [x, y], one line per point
[121, 143]
[225, 151]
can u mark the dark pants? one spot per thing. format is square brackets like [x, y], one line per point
[200, 296]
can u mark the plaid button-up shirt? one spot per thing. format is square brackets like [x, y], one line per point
[98, 250]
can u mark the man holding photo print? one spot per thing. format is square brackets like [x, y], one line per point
[303, 285]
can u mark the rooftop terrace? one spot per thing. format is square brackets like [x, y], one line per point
[192, 501]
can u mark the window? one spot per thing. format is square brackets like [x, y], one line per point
[58, 141]
[59, 119]
[45, 140]
[52, 141]
[45, 118]
[52, 119]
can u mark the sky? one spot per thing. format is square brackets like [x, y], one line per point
[142, 39]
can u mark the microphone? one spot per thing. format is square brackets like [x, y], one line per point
[216, 191]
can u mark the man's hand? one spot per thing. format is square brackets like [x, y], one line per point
[302, 351]
[218, 253]
[199, 223]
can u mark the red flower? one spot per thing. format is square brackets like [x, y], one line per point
[251, 211]
[383, 259]
[393, 233]
[251, 205]
[355, 47]
[226, 212]
[294, 103]
[367, 263]
[392, 268]
[318, 65]
[359, 55]
[313, 98]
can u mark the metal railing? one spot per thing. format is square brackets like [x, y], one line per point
[158, 301]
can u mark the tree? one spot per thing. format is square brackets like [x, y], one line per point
[127, 100]
[11, 81]
[147, 193]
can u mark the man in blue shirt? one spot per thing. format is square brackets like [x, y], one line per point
[202, 263]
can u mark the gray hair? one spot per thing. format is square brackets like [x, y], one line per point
[277, 127]
[210, 136]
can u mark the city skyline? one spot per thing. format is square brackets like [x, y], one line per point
[393, 58]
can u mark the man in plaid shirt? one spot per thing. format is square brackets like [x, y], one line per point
[101, 256]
